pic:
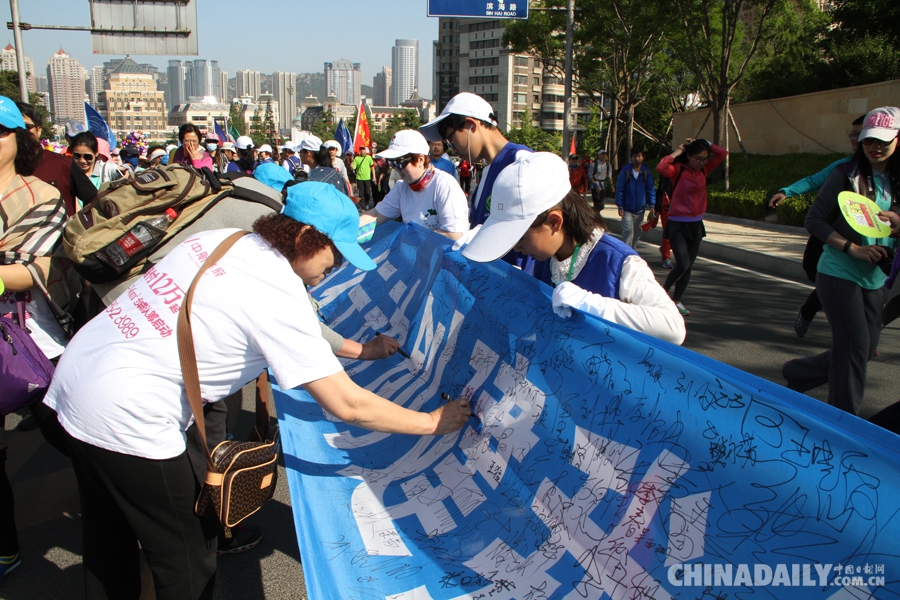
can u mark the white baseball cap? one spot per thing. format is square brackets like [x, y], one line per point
[289, 145]
[408, 141]
[311, 143]
[536, 182]
[158, 153]
[333, 144]
[881, 124]
[228, 146]
[465, 104]
[244, 142]
[265, 148]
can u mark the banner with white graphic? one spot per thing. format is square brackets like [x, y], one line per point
[602, 463]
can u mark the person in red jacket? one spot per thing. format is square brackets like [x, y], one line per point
[687, 167]
[577, 175]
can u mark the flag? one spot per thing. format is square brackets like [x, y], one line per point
[572, 146]
[363, 135]
[342, 135]
[601, 462]
[233, 132]
[97, 125]
[223, 137]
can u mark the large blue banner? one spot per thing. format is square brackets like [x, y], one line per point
[602, 464]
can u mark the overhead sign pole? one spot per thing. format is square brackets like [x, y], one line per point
[20, 51]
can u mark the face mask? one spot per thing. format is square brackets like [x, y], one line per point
[212, 147]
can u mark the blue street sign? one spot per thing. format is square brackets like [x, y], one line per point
[479, 9]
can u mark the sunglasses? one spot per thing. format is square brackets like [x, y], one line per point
[874, 142]
[400, 163]
[84, 157]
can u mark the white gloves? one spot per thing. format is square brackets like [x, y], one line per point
[465, 239]
[567, 296]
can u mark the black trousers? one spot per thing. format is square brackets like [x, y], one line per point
[9, 538]
[854, 314]
[812, 306]
[364, 189]
[128, 499]
[685, 238]
[598, 195]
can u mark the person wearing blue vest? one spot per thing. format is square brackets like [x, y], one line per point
[635, 193]
[536, 212]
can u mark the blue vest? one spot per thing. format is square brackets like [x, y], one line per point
[601, 272]
[504, 158]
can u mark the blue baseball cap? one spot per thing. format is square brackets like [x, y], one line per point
[332, 213]
[10, 115]
[273, 175]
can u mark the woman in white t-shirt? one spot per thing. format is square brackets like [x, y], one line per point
[127, 421]
[424, 195]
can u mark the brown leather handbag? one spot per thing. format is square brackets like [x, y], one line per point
[240, 476]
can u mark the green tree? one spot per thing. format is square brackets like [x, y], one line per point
[592, 138]
[9, 87]
[236, 118]
[717, 41]
[269, 130]
[323, 128]
[405, 119]
[257, 128]
[534, 137]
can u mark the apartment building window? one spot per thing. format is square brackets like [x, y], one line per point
[520, 80]
[520, 98]
[484, 80]
[491, 43]
[491, 97]
[521, 61]
[537, 81]
[485, 62]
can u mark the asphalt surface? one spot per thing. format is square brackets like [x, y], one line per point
[739, 316]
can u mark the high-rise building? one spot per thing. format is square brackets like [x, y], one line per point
[223, 86]
[284, 88]
[404, 70]
[342, 80]
[175, 83]
[96, 86]
[133, 102]
[40, 85]
[202, 78]
[247, 83]
[8, 62]
[382, 84]
[446, 61]
[65, 77]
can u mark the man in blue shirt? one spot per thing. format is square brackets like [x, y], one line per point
[635, 193]
[437, 154]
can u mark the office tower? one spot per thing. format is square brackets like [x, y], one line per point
[382, 84]
[96, 85]
[284, 88]
[202, 78]
[175, 84]
[8, 63]
[342, 80]
[65, 77]
[223, 86]
[133, 102]
[404, 70]
[445, 83]
[247, 83]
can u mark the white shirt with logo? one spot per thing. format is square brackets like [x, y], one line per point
[119, 386]
[441, 205]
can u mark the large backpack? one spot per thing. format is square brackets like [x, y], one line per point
[121, 204]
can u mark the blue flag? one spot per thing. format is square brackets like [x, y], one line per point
[220, 133]
[97, 125]
[601, 462]
[342, 135]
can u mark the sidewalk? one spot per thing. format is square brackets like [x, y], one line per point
[762, 247]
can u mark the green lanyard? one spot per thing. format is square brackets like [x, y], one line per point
[572, 264]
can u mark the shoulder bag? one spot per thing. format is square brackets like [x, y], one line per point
[240, 476]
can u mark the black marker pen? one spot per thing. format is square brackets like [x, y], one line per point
[400, 351]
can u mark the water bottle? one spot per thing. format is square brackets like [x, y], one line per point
[143, 235]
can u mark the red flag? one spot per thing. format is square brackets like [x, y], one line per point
[572, 146]
[363, 135]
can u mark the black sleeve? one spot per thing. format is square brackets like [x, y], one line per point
[82, 187]
[824, 212]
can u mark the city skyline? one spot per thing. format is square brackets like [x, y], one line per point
[361, 36]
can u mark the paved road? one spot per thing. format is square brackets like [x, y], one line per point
[739, 317]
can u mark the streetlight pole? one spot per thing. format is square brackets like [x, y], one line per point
[570, 26]
[20, 51]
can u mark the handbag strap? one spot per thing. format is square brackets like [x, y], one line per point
[188, 356]
[20, 309]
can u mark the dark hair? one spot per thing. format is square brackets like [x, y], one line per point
[456, 122]
[579, 219]
[636, 150]
[859, 121]
[31, 112]
[189, 128]
[245, 159]
[283, 233]
[322, 157]
[691, 149]
[893, 169]
[28, 152]
[85, 138]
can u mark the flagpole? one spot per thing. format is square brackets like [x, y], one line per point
[356, 127]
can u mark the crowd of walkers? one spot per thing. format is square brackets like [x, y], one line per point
[128, 428]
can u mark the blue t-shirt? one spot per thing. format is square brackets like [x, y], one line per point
[446, 165]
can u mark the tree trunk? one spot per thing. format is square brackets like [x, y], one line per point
[614, 135]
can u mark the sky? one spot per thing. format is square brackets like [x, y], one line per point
[259, 35]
